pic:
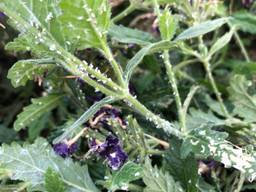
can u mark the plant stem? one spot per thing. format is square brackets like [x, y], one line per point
[175, 90]
[158, 121]
[116, 67]
[124, 13]
[207, 67]
[241, 45]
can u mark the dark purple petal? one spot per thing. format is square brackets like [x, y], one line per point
[64, 150]
[116, 158]
[2, 15]
[72, 148]
[61, 149]
[110, 150]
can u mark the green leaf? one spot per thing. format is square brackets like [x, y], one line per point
[244, 103]
[196, 118]
[158, 181]
[245, 21]
[129, 172]
[206, 142]
[167, 25]
[183, 170]
[53, 182]
[127, 35]
[25, 70]
[149, 49]
[7, 135]
[202, 28]
[36, 127]
[85, 22]
[30, 162]
[221, 42]
[39, 107]
[72, 129]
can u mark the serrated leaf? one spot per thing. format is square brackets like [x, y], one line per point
[244, 103]
[207, 142]
[53, 182]
[25, 70]
[221, 42]
[85, 22]
[129, 172]
[32, 112]
[72, 129]
[183, 170]
[201, 29]
[196, 118]
[167, 25]
[245, 21]
[127, 35]
[30, 162]
[158, 181]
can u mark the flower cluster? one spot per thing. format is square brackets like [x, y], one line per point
[65, 150]
[110, 150]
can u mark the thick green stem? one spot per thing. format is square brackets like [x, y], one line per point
[207, 67]
[116, 67]
[158, 121]
[175, 90]
[124, 13]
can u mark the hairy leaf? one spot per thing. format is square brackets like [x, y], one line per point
[35, 110]
[158, 181]
[167, 25]
[128, 35]
[53, 182]
[207, 142]
[129, 172]
[25, 70]
[85, 22]
[201, 29]
[196, 118]
[221, 42]
[245, 104]
[30, 163]
[183, 170]
[245, 21]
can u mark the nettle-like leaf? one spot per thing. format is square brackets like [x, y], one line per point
[245, 20]
[184, 170]
[35, 110]
[207, 142]
[158, 181]
[25, 70]
[196, 118]
[85, 22]
[53, 182]
[120, 179]
[127, 35]
[30, 163]
[167, 25]
[244, 103]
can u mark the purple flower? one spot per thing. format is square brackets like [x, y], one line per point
[64, 150]
[2, 15]
[104, 114]
[247, 3]
[110, 150]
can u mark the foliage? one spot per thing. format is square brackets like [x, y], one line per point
[156, 101]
